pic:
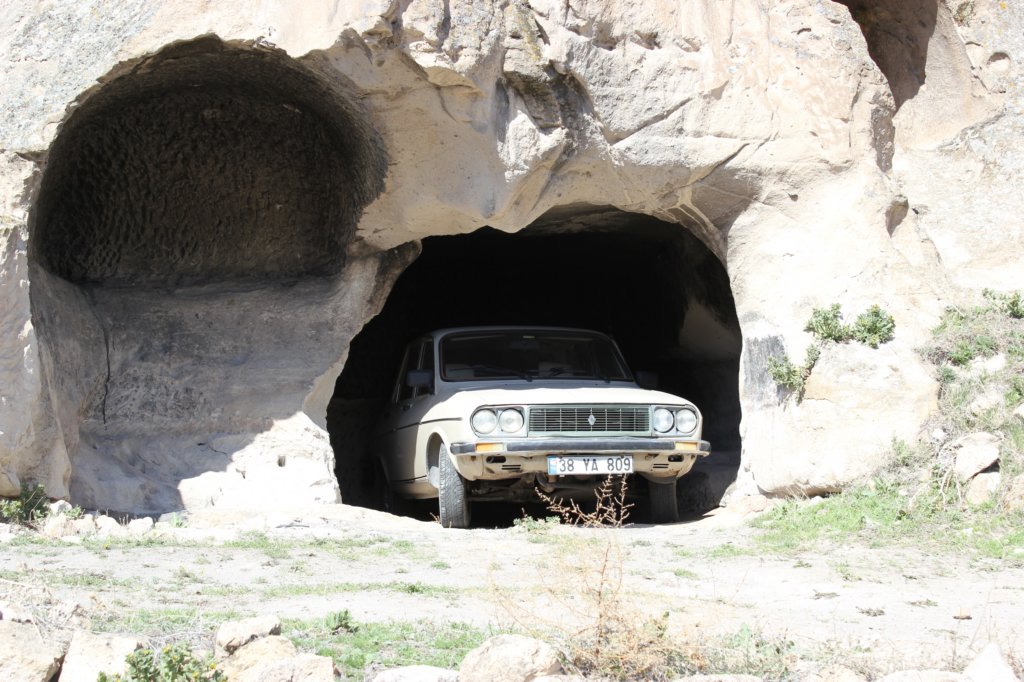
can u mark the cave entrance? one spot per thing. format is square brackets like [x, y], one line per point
[653, 286]
[189, 231]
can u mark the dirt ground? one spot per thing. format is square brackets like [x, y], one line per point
[877, 610]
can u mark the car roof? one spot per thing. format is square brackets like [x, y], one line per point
[511, 328]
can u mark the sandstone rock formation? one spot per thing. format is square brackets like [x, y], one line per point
[201, 208]
[510, 657]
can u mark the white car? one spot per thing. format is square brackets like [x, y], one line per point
[496, 413]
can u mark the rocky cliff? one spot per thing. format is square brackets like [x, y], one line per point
[204, 208]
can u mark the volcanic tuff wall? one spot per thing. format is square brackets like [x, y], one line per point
[201, 207]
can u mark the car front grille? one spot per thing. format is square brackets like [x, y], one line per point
[626, 420]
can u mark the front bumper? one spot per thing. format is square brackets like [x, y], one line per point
[660, 458]
[583, 446]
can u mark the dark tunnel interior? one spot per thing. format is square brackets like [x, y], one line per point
[653, 286]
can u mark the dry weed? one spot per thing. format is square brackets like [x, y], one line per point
[601, 634]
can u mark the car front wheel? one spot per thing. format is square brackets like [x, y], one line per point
[454, 507]
[664, 507]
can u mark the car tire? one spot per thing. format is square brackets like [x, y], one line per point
[664, 506]
[454, 507]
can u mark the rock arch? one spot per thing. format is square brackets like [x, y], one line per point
[654, 286]
[189, 232]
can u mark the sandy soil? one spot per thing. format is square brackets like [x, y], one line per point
[877, 609]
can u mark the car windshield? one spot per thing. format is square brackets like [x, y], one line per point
[529, 355]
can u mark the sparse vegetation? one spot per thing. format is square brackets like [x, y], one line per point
[192, 627]
[749, 652]
[29, 508]
[599, 631]
[793, 377]
[872, 328]
[917, 498]
[174, 663]
[326, 589]
[358, 647]
[827, 324]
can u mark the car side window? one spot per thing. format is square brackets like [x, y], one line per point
[419, 355]
[426, 361]
[403, 391]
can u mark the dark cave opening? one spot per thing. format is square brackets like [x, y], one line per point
[208, 161]
[653, 286]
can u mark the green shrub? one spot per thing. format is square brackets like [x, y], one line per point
[874, 327]
[790, 376]
[785, 373]
[827, 324]
[1011, 304]
[176, 663]
[1015, 306]
[31, 506]
[340, 621]
[962, 353]
[1015, 394]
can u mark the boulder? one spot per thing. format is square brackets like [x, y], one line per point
[988, 365]
[8, 531]
[58, 526]
[15, 614]
[234, 634]
[511, 658]
[990, 666]
[107, 526]
[301, 668]
[417, 673]
[249, 662]
[84, 526]
[25, 656]
[1013, 498]
[986, 401]
[748, 504]
[60, 507]
[982, 488]
[822, 444]
[91, 654]
[140, 526]
[974, 453]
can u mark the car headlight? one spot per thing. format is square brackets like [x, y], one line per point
[686, 420]
[663, 420]
[510, 421]
[484, 421]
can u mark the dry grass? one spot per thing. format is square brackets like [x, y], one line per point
[593, 621]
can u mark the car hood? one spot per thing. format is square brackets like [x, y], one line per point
[465, 399]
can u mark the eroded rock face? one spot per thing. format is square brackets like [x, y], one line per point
[186, 255]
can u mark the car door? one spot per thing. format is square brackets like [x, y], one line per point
[405, 412]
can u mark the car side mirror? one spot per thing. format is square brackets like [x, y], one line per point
[419, 378]
[647, 380]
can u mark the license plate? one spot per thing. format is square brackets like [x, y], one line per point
[581, 465]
